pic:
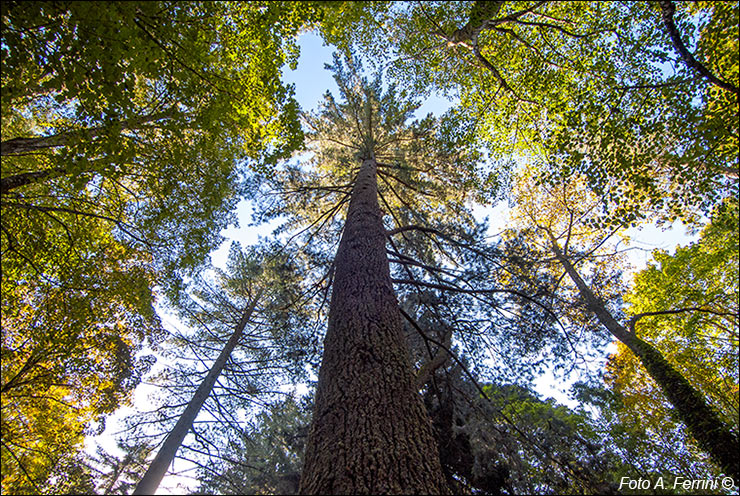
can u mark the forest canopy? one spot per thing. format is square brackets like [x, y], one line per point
[380, 336]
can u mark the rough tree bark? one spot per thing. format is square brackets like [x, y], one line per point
[154, 474]
[703, 423]
[370, 433]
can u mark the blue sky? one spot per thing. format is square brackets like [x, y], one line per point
[311, 81]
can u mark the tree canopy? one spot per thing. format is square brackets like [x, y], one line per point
[125, 130]
[382, 338]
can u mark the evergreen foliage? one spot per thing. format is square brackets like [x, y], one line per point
[131, 130]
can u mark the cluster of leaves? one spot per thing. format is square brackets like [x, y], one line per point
[701, 341]
[129, 109]
[70, 354]
[125, 129]
[662, 139]
[423, 168]
[637, 452]
[593, 87]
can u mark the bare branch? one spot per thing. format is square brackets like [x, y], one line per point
[410, 228]
[445, 348]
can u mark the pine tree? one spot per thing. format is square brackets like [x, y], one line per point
[370, 431]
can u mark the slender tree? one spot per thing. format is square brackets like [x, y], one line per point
[560, 217]
[703, 422]
[246, 342]
[166, 454]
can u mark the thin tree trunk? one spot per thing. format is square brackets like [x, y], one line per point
[23, 146]
[703, 423]
[154, 474]
[370, 432]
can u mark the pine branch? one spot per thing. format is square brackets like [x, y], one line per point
[424, 335]
[398, 230]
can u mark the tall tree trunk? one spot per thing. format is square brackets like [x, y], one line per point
[154, 474]
[370, 433]
[703, 423]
